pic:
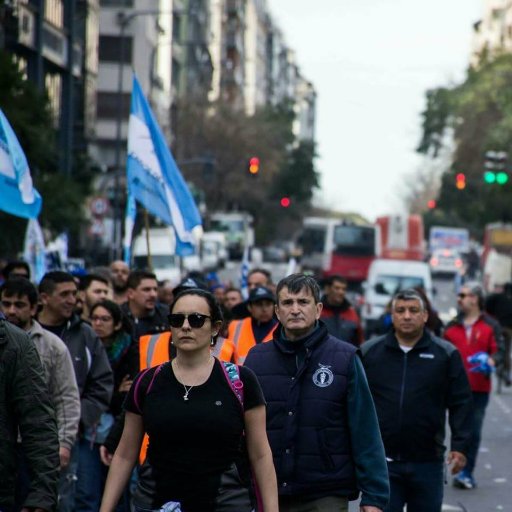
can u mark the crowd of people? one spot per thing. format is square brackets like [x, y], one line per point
[120, 393]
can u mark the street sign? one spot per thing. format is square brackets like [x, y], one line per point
[99, 205]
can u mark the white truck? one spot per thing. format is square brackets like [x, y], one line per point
[162, 248]
[238, 228]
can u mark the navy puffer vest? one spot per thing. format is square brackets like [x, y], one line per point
[307, 412]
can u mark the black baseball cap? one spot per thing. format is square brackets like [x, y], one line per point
[261, 293]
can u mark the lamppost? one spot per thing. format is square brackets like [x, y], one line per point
[123, 20]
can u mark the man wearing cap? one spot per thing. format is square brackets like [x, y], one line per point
[257, 328]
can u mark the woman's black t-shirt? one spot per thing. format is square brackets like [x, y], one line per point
[191, 443]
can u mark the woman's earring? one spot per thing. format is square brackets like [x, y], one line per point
[212, 342]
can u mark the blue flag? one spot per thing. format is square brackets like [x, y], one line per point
[17, 193]
[129, 222]
[153, 176]
[244, 273]
[34, 250]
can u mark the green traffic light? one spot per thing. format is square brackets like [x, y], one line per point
[501, 178]
[489, 177]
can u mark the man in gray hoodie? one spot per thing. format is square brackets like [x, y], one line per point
[58, 295]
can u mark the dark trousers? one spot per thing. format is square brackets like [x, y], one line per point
[480, 401]
[419, 485]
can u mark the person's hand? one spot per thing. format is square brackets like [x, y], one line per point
[126, 384]
[457, 460]
[491, 362]
[105, 455]
[64, 455]
[370, 508]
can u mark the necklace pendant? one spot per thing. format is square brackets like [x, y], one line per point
[185, 397]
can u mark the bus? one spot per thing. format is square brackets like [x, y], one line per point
[334, 246]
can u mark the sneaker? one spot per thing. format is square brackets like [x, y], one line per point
[464, 480]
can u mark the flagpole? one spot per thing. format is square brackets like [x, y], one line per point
[148, 245]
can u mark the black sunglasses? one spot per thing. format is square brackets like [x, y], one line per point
[195, 320]
[463, 295]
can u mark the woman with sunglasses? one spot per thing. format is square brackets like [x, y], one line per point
[196, 461]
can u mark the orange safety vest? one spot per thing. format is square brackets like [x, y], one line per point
[153, 350]
[240, 340]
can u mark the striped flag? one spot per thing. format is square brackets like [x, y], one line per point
[17, 193]
[153, 177]
[244, 274]
[129, 222]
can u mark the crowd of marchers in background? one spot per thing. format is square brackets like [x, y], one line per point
[148, 396]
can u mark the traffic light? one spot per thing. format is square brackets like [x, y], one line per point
[495, 167]
[460, 181]
[285, 202]
[431, 204]
[254, 166]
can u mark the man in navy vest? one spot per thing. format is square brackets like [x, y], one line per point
[415, 379]
[321, 421]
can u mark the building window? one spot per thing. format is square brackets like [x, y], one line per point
[53, 84]
[54, 12]
[107, 105]
[110, 49]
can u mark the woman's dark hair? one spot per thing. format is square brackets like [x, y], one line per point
[116, 313]
[213, 305]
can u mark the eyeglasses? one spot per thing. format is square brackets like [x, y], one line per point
[195, 320]
[102, 319]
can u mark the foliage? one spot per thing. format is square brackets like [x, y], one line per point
[29, 114]
[228, 138]
[479, 111]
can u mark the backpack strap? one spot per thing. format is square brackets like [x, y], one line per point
[137, 393]
[232, 374]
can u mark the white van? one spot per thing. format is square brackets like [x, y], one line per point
[162, 247]
[385, 278]
[214, 250]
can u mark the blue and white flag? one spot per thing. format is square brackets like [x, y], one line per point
[244, 274]
[17, 193]
[153, 176]
[129, 222]
[34, 250]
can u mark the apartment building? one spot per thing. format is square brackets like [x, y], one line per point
[55, 44]
[493, 32]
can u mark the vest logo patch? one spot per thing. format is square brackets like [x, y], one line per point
[427, 356]
[323, 376]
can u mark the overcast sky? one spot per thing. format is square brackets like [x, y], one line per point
[371, 62]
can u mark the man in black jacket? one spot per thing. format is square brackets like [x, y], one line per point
[415, 378]
[145, 314]
[25, 406]
[321, 421]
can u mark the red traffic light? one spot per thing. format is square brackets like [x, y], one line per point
[254, 165]
[460, 181]
[431, 204]
[285, 202]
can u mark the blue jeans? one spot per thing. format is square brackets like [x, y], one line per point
[67, 482]
[419, 485]
[91, 475]
[480, 401]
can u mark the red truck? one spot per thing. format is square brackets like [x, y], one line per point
[401, 237]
